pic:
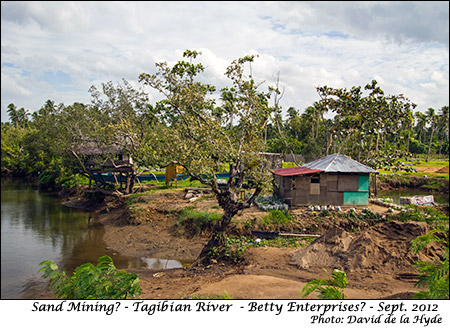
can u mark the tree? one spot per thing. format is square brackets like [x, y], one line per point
[125, 120]
[443, 118]
[361, 120]
[197, 140]
[432, 119]
[421, 123]
[18, 117]
[13, 114]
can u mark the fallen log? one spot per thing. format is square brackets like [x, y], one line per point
[271, 235]
[298, 235]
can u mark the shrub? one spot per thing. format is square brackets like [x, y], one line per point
[232, 250]
[424, 213]
[434, 276]
[92, 282]
[331, 288]
[277, 217]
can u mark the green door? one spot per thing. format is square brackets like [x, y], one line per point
[356, 198]
[363, 184]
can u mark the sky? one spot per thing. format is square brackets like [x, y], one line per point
[58, 49]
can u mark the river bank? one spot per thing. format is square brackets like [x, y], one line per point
[264, 272]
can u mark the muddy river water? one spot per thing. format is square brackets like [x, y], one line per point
[36, 227]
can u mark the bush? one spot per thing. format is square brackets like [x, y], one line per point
[277, 217]
[424, 214]
[92, 282]
[331, 288]
[434, 276]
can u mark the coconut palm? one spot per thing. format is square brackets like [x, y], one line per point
[422, 121]
[432, 119]
[443, 126]
[13, 114]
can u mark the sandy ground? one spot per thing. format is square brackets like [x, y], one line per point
[265, 273]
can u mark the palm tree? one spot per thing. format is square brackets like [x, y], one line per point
[13, 114]
[432, 119]
[422, 121]
[22, 116]
[443, 125]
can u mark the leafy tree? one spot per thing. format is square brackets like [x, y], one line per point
[14, 157]
[360, 121]
[197, 140]
[127, 121]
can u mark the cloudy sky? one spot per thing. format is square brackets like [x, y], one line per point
[57, 50]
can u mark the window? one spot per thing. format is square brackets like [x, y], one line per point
[314, 188]
[315, 178]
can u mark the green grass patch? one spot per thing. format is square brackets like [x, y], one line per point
[224, 295]
[417, 174]
[277, 217]
[195, 222]
[284, 242]
[426, 214]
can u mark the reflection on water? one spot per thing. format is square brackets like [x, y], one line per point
[36, 227]
[162, 263]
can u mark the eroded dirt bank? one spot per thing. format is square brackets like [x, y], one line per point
[265, 272]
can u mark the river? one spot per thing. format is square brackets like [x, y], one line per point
[439, 198]
[35, 227]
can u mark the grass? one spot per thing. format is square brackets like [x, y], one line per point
[418, 174]
[277, 217]
[285, 242]
[195, 222]
[224, 295]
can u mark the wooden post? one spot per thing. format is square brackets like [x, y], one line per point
[375, 185]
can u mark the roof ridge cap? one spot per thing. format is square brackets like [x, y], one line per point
[331, 163]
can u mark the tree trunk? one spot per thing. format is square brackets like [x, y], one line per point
[431, 141]
[129, 183]
[231, 208]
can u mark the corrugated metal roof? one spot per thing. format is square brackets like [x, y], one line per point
[297, 170]
[335, 163]
[339, 163]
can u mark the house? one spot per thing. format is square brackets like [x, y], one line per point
[332, 180]
[104, 159]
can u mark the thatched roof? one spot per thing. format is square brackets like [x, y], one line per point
[92, 148]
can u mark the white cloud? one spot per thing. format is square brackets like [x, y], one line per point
[404, 45]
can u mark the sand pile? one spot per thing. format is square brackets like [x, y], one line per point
[383, 248]
[443, 169]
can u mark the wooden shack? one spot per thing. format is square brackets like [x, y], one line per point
[109, 159]
[332, 180]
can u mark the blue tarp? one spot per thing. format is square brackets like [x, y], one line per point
[108, 177]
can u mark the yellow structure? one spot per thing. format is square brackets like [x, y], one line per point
[171, 172]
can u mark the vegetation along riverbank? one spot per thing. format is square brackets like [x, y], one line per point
[218, 153]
